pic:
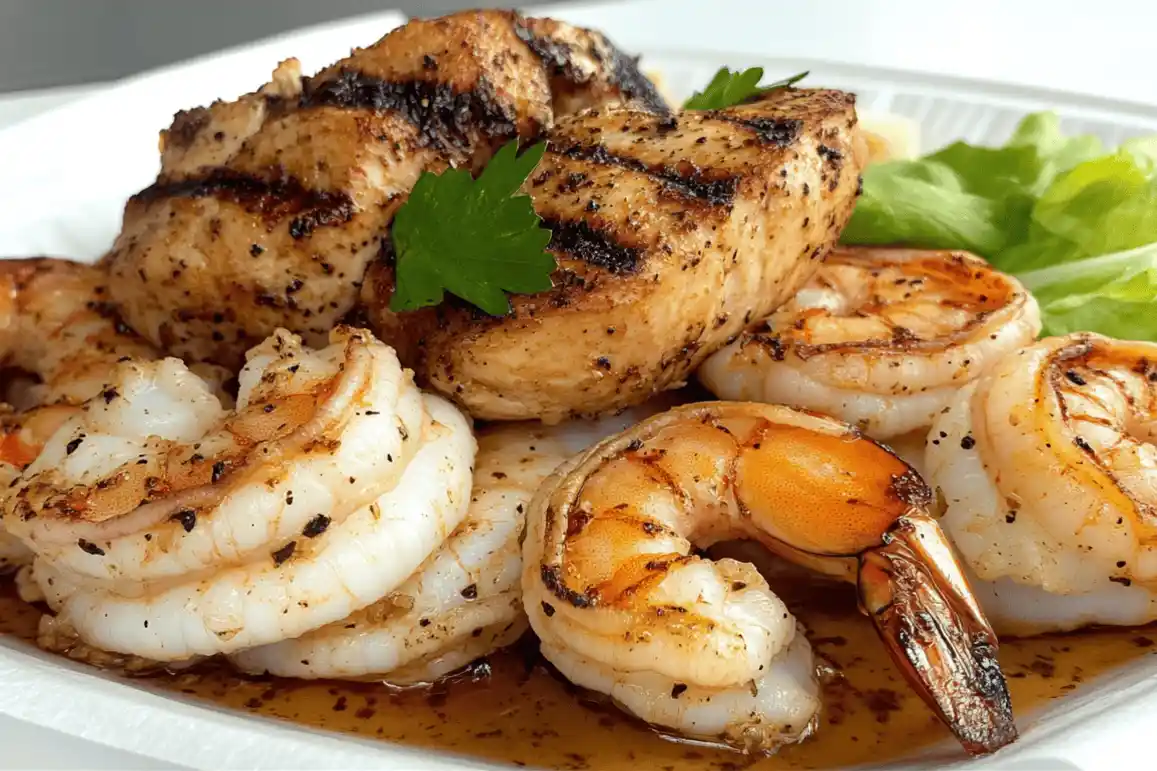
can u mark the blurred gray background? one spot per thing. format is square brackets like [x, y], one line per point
[63, 42]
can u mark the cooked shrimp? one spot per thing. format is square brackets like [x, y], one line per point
[465, 601]
[703, 648]
[461, 604]
[13, 553]
[22, 435]
[1048, 467]
[167, 527]
[881, 338]
[56, 324]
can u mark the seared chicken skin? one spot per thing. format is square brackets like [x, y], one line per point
[268, 209]
[672, 233]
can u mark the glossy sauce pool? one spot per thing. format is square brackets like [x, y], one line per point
[516, 711]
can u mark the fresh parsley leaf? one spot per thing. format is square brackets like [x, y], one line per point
[728, 88]
[474, 238]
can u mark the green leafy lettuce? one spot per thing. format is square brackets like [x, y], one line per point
[1046, 207]
[1115, 295]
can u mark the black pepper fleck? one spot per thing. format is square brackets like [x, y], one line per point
[284, 553]
[90, 548]
[187, 518]
[316, 526]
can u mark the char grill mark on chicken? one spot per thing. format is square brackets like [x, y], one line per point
[585, 69]
[268, 208]
[673, 234]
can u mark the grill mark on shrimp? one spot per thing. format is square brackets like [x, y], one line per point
[577, 520]
[445, 119]
[552, 579]
[1065, 358]
[208, 480]
[653, 567]
[595, 594]
[1116, 380]
[903, 340]
[272, 198]
[711, 186]
[663, 476]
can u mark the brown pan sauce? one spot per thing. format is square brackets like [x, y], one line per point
[512, 708]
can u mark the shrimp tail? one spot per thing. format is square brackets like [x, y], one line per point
[917, 596]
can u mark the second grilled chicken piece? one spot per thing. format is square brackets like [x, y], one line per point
[672, 234]
[268, 208]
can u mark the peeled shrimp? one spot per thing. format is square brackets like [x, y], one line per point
[13, 553]
[55, 323]
[622, 605]
[465, 601]
[1048, 467]
[462, 603]
[880, 338]
[167, 527]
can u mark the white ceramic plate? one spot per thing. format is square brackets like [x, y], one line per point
[64, 177]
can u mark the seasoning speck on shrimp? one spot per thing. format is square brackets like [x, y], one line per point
[465, 601]
[13, 553]
[462, 603]
[167, 527]
[55, 323]
[880, 338]
[1048, 466]
[704, 648]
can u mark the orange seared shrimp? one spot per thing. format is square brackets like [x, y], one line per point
[881, 338]
[622, 605]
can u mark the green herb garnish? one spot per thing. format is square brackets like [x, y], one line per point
[472, 237]
[728, 88]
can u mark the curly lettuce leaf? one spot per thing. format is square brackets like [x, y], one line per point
[923, 202]
[1115, 295]
[968, 197]
[1043, 200]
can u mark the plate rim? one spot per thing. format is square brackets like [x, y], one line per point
[158, 726]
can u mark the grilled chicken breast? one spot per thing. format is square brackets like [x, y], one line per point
[672, 234]
[268, 209]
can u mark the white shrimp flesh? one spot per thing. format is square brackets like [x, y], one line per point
[1048, 469]
[168, 527]
[465, 601]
